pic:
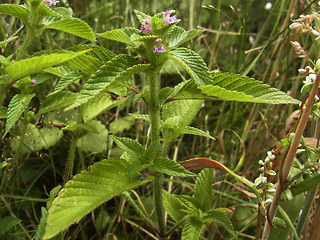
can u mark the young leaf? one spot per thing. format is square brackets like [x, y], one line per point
[173, 206]
[234, 87]
[192, 229]
[130, 146]
[57, 100]
[73, 26]
[14, 10]
[170, 167]
[88, 190]
[32, 65]
[141, 15]
[203, 188]
[177, 35]
[120, 35]
[98, 105]
[119, 68]
[17, 106]
[193, 64]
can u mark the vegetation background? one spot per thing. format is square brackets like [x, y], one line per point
[250, 37]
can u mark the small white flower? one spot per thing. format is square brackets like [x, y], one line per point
[269, 200]
[268, 6]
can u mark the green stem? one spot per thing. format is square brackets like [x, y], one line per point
[154, 112]
[26, 43]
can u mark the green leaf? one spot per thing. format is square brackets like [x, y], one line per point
[88, 190]
[73, 26]
[3, 112]
[176, 115]
[69, 76]
[203, 188]
[177, 35]
[119, 68]
[192, 229]
[6, 223]
[140, 15]
[189, 130]
[306, 185]
[57, 100]
[193, 64]
[219, 215]
[14, 10]
[173, 206]
[42, 224]
[32, 65]
[130, 146]
[3, 43]
[94, 141]
[121, 35]
[121, 124]
[17, 106]
[98, 105]
[170, 167]
[234, 87]
[98, 52]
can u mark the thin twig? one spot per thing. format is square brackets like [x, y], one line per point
[289, 159]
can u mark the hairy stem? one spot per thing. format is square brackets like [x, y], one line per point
[289, 159]
[154, 112]
[26, 43]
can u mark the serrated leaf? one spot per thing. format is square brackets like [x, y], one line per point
[6, 223]
[219, 215]
[98, 105]
[69, 76]
[141, 15]
[189, 130]
[46, 11]
[32, 65]
[203, 188]
[42, 224]
[178, 114]
[117, 69]
[173, 206]
[17, 106]
[234, 87]
[120, 35]
[14, 10]
[170, 167]
[88, 190]
[98, 52]
[130, 146]
[193, 63]
[57, 100]
[177, 35]
[192, 229]
[73, 26]
[94, 141]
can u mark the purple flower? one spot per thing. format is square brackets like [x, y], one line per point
[50, 2]
[158, 46]
[168, 20]
[33, 81]
[146, 26]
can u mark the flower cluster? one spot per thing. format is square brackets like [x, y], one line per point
[299, 51]
[168, 19]
[158, 46]
[304, 24]
[311, 75]
[262, 181]
[146, 26]
[50, 2]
